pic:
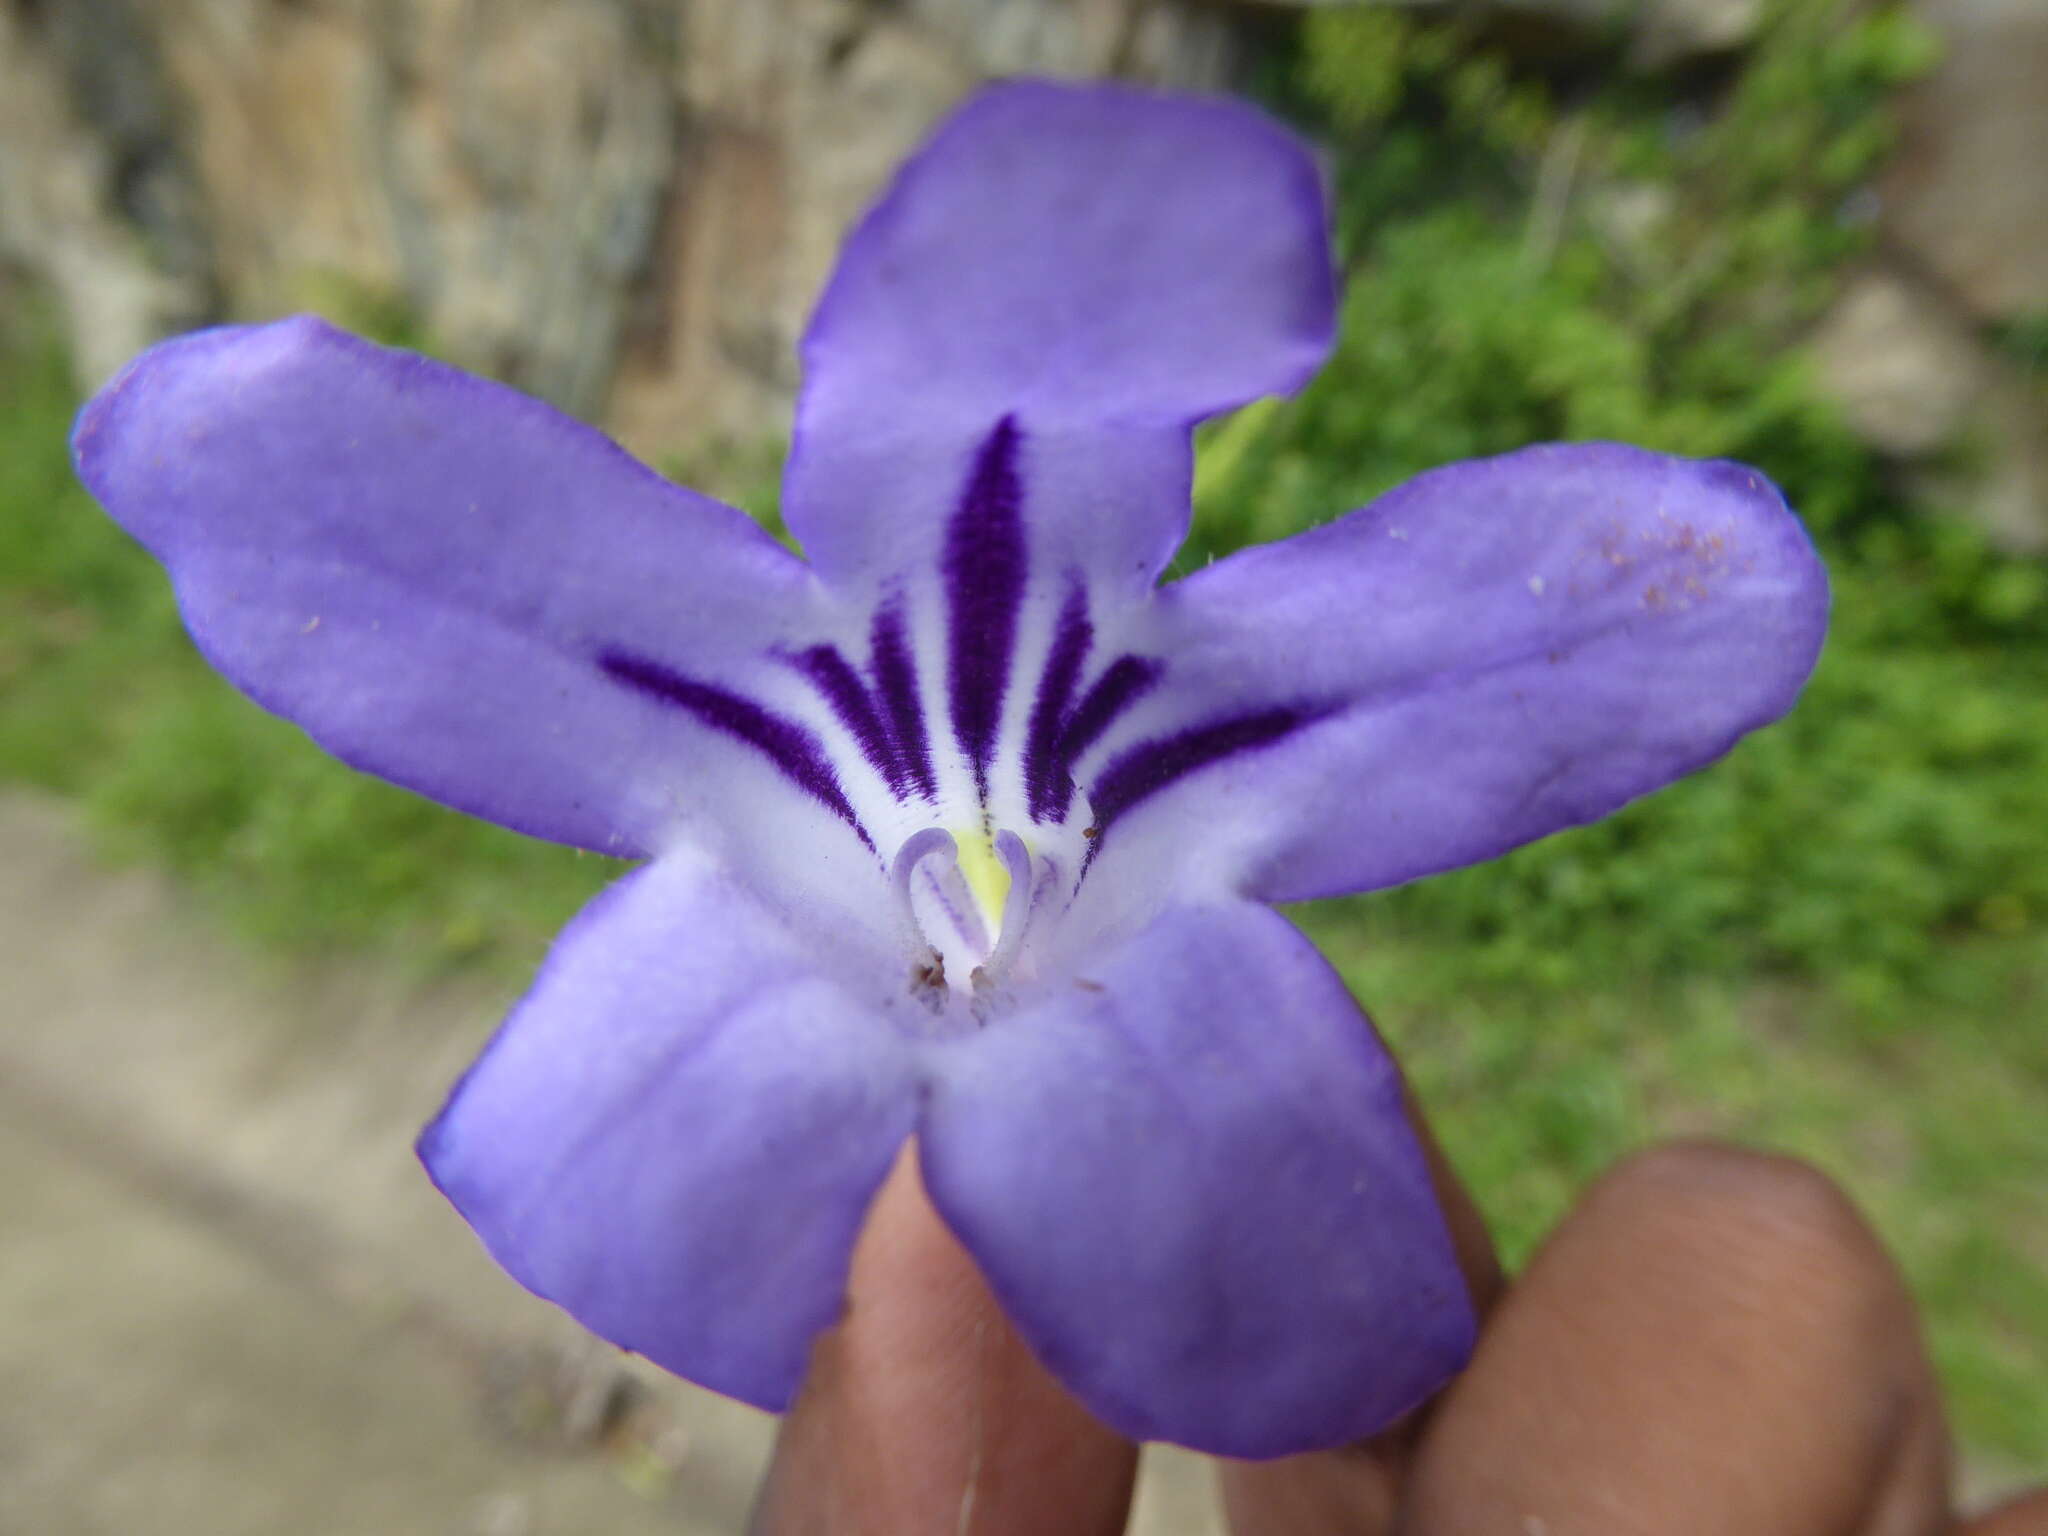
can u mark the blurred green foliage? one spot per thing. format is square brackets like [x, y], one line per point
[101, 697]
[1532, 260]
[1937, 1131]
[1586, 254]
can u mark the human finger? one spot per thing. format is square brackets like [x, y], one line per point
[2026, 1515]
[1714, 1341]
[924, 1412]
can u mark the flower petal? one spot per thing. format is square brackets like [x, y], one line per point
[1490, 653]
[1101, 265]
[1188, 1177]
[676, 1135]
[434, 575]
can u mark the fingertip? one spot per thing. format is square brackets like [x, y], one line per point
[1714, 1339]
[922, 1410]
[2026, 1515]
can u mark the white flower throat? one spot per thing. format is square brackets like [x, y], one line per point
[969, 900]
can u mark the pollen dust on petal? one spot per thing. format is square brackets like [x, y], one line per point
[1694, 559]
[1678, 563]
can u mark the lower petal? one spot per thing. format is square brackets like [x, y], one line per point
[676, 1136]
[1188, 1177]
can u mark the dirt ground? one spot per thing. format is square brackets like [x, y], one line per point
[231, 1304]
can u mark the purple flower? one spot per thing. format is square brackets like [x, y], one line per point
[965, 829]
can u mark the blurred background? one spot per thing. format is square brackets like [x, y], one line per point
[1810, 234]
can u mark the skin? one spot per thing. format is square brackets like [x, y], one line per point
[1713, 1341]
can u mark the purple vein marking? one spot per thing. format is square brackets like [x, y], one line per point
[1150, 766]
[833, 676]
[984, 568]
[896, 680]
[791, 748]
[1123, 682]
[1047, 784]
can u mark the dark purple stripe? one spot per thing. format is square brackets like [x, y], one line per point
[791, 748]
[896, 680]
[1047, 782]
[1123, 682]
[1150, 766]
[833, 676]
[984, 568]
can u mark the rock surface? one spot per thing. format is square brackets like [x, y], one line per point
[625, 206]
[1904, 370]
[1964, 216]
[1668, 31]
[1967, 195]
[2001, 480]
[83, 199]
[1912, 377]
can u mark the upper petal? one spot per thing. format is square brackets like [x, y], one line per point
[1487, 654]
[1186, 1173]
[437, 576]
[676, 1135]
[1103, 265]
